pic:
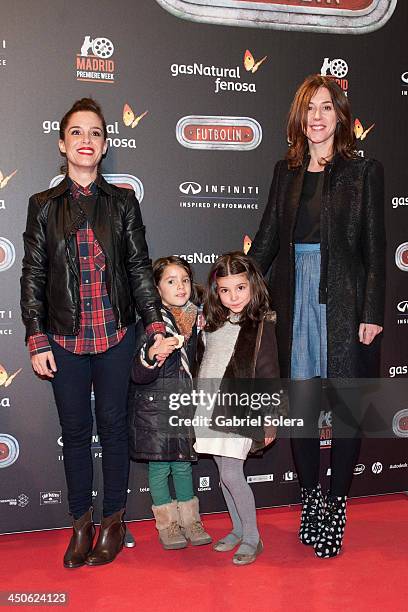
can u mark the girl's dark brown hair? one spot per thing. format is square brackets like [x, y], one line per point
[235, 262]
[84, 104]
[161, 264]
[344, 138]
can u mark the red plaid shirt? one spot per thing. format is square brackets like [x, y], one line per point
[97, 331]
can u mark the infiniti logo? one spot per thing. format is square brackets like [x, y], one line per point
[403, 306]
[190, 187]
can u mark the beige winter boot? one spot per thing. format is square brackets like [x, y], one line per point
[190, 523]
[167, 525]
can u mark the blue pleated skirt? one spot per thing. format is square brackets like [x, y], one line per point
[309, 343]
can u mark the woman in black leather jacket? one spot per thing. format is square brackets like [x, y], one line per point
[86, 269]
[322, 237]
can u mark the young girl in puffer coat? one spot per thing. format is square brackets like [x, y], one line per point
[158, 371]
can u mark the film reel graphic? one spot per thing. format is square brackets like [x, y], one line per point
[103, 47]
[338, 68]
[9, 450]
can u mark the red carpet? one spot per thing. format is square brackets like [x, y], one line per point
[371, 574]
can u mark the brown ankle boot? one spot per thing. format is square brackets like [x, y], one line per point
[110, 539]
[81, 541]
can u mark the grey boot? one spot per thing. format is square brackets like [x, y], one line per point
[167, 525]
[190, 523]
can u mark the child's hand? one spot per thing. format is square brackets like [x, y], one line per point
[270, 434]
[162, 348]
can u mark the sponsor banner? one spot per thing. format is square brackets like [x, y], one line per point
[9, 450]
[198, 258]
[21, 501]
[94, 62]
[6, 378]
[289, 477]
[399, 370]
[48, 498]
[225, 78]
[227, 133]
[402, 309]
[325, 429]
[398, 201]
[260, 478]
[197, 196]
[377, 467]
[336, 69]
[114, 139]
[398, 466]
[7, 254]
[400, 423]
[335, 16]
[6, 318]
[401, 257]
[5, 178]
[204, 484]
[3, 57]
[128, 181]
[404, 83]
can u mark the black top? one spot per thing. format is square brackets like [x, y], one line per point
[307, 228]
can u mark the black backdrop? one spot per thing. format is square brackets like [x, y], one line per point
[201, 162]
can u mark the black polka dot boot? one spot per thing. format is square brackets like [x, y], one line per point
[312, 515]
[332, 530]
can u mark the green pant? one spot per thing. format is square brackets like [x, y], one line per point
[159, 472]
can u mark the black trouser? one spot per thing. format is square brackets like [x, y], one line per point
[306, 401]
[108, 373]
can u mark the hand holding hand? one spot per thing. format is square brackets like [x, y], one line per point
[162, 348]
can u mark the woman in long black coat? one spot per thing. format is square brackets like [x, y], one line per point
[322, 239]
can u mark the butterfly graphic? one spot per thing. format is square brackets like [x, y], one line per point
[5, 179]
[129, 117]
[359, 131]
[249, 62]
[5, 379]
[247, 244]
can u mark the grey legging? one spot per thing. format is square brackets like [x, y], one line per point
[239, 499]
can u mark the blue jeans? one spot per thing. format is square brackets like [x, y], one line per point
[109, 374]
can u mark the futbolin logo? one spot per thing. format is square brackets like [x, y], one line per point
[7, 254]
[190, 187]
[9, 450]
[400, 423]
[337, 16]
[128, 181]
[401, 257]
[214, 132]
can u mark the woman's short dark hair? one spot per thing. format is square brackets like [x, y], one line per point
[235, 262]
[174, 260]
[84, 104]
[344, 138]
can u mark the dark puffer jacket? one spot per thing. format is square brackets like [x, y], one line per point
[151, 437]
